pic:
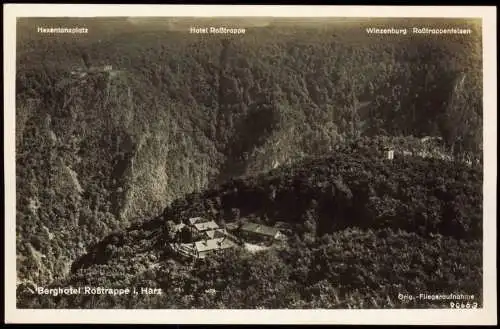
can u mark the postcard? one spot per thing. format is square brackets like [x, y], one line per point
[250, 164]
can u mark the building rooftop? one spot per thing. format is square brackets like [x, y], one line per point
[218, 233]
[213, 244]
[430, 138]
[260, 229]
[211, 225]
[195, 220]
[232, 226]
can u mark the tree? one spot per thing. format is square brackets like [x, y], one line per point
[235, 214]
[170, 230]
[186, 235]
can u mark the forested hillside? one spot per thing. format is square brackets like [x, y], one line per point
[365, 230]
[187, 112]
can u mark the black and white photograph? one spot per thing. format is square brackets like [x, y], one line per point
[234, 162]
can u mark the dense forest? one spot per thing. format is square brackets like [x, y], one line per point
[194, 124]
